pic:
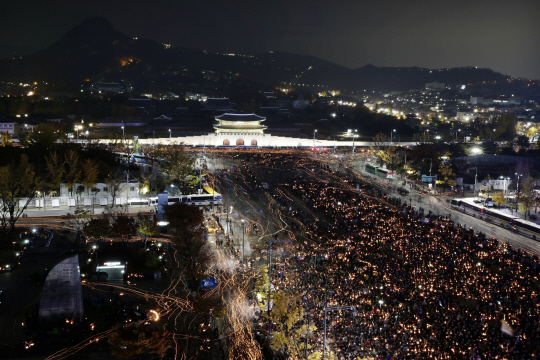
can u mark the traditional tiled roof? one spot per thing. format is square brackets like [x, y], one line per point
[218, 103]
[240, 117]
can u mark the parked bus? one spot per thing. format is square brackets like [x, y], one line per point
[527, 228]
[385, 173]
[372, 168]
[193, 199]
[500, 218]
[523, 227]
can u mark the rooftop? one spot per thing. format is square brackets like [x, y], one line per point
[240, 117]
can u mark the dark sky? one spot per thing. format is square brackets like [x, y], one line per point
[501, 35]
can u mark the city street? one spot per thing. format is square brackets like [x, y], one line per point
[440, 205]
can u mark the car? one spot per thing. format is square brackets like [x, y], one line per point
[6, 267]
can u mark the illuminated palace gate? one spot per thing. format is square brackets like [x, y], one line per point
[239, 129]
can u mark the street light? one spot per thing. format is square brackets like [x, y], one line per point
[127, 192]
[123, 132]
[170, 135]
[430, 164]
[244, 232]
[77, 127]
[391, 135]
[475, 178]
[505, 189]
[314, 132]
[229, 205]
[353, 136]
[518, 176]
[457, 133]
[490, 134]
[405, 165]
[332, 308]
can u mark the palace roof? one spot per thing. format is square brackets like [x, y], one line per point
[240, 117]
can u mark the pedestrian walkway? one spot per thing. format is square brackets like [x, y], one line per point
[64, 210]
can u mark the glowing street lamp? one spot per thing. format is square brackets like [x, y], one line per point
[77, 128]
[170, 135]
[457, 133]
[354, 135]
[314, 132]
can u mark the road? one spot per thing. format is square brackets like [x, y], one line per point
[440, 206]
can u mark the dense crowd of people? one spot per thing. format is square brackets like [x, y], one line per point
[422, 286]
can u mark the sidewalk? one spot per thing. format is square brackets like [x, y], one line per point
[63, 210]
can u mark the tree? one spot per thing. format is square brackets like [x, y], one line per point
[523, 141]
[44, 136]
[504, 126]
[114, 185]
[135, 339]
[380, 142]
[94, 192]
[179, 166]
[421, 138]
[73, 173]
[527, 195]
[153, 183]
[24, 139]
[531, 131]
[263, 286]
[186, 225]
[289, 334]
[499, 198]
[97, 228]
[76, 220]
[184, 220]
[18, 187]
[147, 227]
[6, 139]
[78, 192]
[124, 225]
[391, 157]
[91, 172]
[489, 147]
[489, 186]
[447, 175]
[55, 171]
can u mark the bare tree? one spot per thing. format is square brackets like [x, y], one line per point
[73, 173]
[115, 185]
[18, 187]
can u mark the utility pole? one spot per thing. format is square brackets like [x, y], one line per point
[307, 336]
[127, 192]
[229, 208]
[244, 232]
[353, 136]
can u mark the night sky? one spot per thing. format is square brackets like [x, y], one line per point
[501, 35]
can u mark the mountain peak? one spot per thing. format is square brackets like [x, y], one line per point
[95, 22]
[92, 26]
